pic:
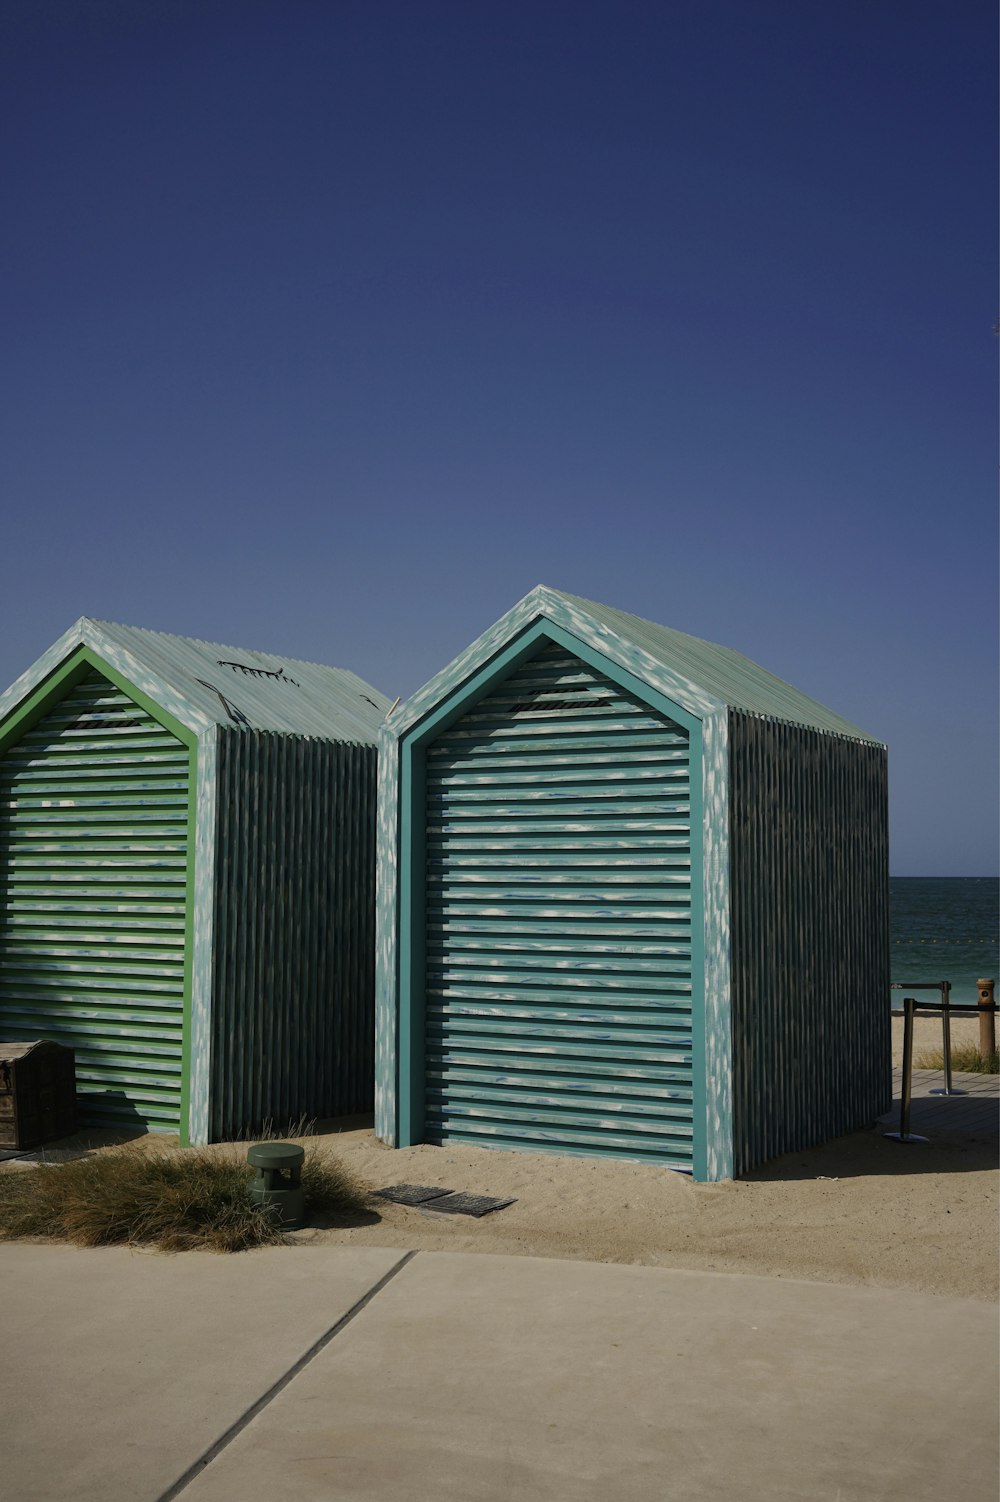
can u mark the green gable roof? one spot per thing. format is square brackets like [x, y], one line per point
[697, 675]
[719, 671]
[205, 683]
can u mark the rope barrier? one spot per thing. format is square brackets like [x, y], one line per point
[912, 1008]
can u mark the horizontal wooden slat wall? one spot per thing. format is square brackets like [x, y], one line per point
[558, 920]
[293, 986]
[93, 856]
[810, 936]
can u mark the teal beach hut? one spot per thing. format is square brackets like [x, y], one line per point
[632, 900]
[187, 838]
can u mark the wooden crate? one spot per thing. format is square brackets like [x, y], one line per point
[37, 1093]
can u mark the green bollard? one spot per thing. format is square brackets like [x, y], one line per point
[278, 1181]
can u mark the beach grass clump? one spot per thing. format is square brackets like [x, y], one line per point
[966, 1058]
[174, 1201]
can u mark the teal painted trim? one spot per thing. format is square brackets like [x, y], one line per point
[386, 940]
[604, 984]
[494, 653]
[203, 941]
[699, 1082]
[408, 980]
[520, 650]
[403, 984]
[547, 605]
[716, 929]
[412, 948]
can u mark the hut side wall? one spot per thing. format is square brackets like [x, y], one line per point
[293, 1024]
[810, 937]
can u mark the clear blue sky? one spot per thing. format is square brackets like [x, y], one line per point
[332, 328]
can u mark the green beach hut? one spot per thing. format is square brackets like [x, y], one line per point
[187, 879]
[632, 900]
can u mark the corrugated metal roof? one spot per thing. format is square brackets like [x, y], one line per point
[206, 682]
[235, 685]
[719, 671]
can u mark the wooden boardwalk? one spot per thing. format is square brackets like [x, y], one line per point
[976, 1113]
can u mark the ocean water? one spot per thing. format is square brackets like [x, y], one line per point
[944, 928]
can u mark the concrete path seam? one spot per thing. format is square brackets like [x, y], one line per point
[184, 1481]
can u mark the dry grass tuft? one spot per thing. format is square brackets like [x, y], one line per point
[965, 1059]
[178, 1202]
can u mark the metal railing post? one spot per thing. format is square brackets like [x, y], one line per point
[946, 1033]
[949, 1088]
[987, 1017]
[906, 1094]
[946, 1040]
[904, 1134]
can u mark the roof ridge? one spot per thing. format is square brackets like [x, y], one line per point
[200, 641]
[736, 679]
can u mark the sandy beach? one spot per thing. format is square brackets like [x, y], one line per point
[927, 1035]
[859, 1210]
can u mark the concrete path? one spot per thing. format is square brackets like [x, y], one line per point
[331, 1374]
[120, 1369]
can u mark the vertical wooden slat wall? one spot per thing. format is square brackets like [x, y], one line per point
[810, 956]
[293, 1030]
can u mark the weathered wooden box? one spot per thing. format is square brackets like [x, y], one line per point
[37, 1093]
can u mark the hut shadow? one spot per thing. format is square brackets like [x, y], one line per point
[870, 1154]
[340, 1126]
[83, 1143]
[345, 1220]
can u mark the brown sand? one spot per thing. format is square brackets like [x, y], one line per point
[861, 1209]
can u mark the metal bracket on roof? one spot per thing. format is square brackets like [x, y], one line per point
[278, 674]
[236, 715]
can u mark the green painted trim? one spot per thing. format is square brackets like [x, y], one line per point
[412, 948]
[699, 1075]
[412, 883]
[58, 684]
[330, 703]
[34, 708]
[186, 1041]
[48, 693]
[203, 999]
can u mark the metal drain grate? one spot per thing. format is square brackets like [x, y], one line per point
[410, 1194]
[448, 1201]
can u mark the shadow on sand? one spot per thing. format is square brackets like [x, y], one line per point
[870, 1154]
